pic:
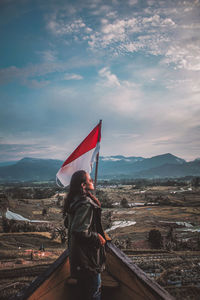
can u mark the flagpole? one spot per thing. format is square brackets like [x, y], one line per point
[97, 157]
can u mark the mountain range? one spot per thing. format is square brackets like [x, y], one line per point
[110, 167]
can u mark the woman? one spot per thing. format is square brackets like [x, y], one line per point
[86, 239]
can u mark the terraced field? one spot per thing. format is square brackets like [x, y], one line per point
[175, 213]
[177, 271]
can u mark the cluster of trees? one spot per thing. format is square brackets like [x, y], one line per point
[140, 183]
[106, 202]
[155, 238]
[123, 243]
[30, 193]
[195, 182]
[171, 242]
[21, 226]
[60, 232]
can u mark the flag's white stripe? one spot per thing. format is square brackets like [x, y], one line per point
[96, 150]
[83, 162]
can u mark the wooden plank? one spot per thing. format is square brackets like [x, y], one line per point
[108, 280]
[134, 283]
[37, 283]
[54, 287]
[129, 287]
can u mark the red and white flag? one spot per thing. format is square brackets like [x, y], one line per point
[83, 156]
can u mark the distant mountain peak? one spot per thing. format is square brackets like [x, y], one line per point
[114, 166]
[167, 155]
[28, 159]
[169, 158]
[33, 159]
[197, 159]
[121, 158]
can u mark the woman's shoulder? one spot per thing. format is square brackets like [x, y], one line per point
[83, 200]
[91, 202]
[86, 201]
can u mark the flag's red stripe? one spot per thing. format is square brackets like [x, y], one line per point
[87, 144]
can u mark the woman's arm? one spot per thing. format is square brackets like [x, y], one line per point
[102, 240]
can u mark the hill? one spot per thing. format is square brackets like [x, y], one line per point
[110, 167]
[130, 166]
[29, 169]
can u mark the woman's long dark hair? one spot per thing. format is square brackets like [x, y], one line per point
[75, 188]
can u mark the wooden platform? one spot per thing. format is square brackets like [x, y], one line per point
[121, 280]
[108, 281]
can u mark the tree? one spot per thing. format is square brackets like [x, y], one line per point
[124, 203]
[155, 238]
[171, 234]
[5, 224]
[195, 182]
[62, 233]
[44, 211]
[59, 200]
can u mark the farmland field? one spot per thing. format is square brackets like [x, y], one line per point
[158, 227]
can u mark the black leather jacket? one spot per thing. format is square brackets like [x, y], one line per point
[84, 224]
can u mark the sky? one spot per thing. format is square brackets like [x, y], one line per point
[65, 65]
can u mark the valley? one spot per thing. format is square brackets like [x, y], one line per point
[157, 226]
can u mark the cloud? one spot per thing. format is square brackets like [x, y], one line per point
[159, 29]
[185, 57]
[8, 74]
[29, 72]
[116, 96]
[186, 141]
[112, 33]
[159, 119]
[140, 64]
[61, 28]
[9, 151]
[68, 76]
[132, 2]
[48, 55]
[109, 78]
[59, 25]
[133, 34]
[157, 21]
[144, 123]
[124, 102]
[37, 84]
[99, 9]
